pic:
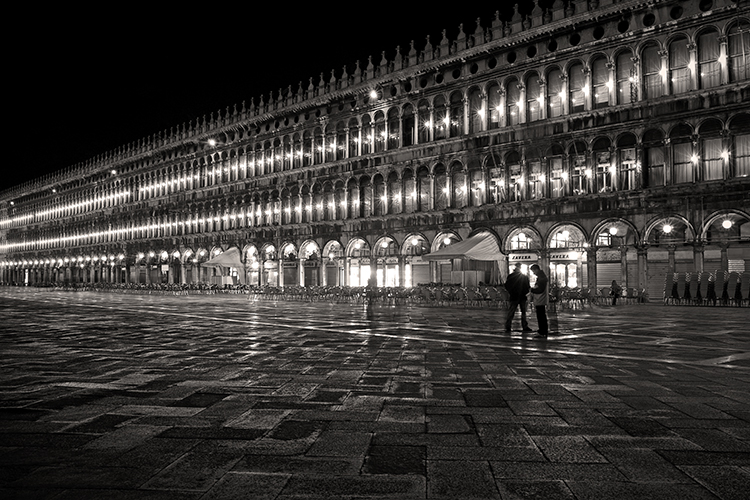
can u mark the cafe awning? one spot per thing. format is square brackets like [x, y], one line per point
[230, 258]
[482, 246]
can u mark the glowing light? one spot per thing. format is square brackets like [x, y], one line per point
[447, 241]
[666, 228]
[726, 224]
[613, 230]
[373, 94]
[384, 244]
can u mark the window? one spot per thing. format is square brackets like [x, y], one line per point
[580, 174]
[516, 187]
[456, 114]
[742, 155]
[711, 158]
[739, 52]
[653, 83]
[604, 171]
[557, 180]
[625, 75]
[442, 192]
[497, 185]
[512, 102]
[536, 180]
[495, 104]
[602, 82]
[627, 180]
[477, 113]
[424, 124]
[534, 99]
[679, 72]
[394, 128]
[519, 242]
[709, 69]
[576, 83]
[442, 119]
[555, 93]
[682, 155]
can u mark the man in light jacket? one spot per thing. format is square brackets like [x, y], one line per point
[540, 296]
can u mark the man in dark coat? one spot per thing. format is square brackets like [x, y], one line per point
[518, 287]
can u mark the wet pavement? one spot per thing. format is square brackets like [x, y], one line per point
[217, 397]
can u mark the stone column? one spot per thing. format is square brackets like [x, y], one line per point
[698, 249]
[591, 266]
[624, 266]
[642, 265]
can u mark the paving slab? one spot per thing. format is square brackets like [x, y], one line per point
[219, 397]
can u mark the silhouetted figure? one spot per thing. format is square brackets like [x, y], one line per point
[518, 287]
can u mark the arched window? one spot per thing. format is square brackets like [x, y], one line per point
[512, 102]
[339, 201]
[601, 81]
[442, 120]
[555, 94]
[424, 125]
[340, 143]
[679, 71]
[580, 174]
[457, 114]
[410, 191]
[627, 173]
[460, 189]
[365, 197]
[534, 98]
[367, 138]
[394, 128]
[477, 190]
[353, 138]
[494, 99]
[683, 156]
[576, 84]
[712, 150]
[394, 194]
[709, 69]
[517, 181]
[423, 189]
[442, 192]
[477, 113]
[604, 169]
[379, 133]
[329, 143]
[739, 130]
[537, 179]
[352, 191]
[653, 82]
[558, 177]
[407, 121]
[739, 51]
[625, 75]
[307, 155]
[653, 158]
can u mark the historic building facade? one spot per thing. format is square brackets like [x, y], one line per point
[602, 139]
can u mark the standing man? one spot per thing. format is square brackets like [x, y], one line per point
[540, 296]
[518, 287]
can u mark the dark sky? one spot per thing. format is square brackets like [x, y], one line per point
[84, 82]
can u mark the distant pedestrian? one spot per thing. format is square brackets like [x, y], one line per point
[540, 296]
[518, 288]
[615, 291]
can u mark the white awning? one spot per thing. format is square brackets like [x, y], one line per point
[482, 246]
[230, 258]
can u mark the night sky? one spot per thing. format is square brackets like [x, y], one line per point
[84, 82]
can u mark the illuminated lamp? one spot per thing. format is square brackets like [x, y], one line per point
[726, 224]
[666, 228]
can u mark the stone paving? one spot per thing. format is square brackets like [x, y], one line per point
[217, 397]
